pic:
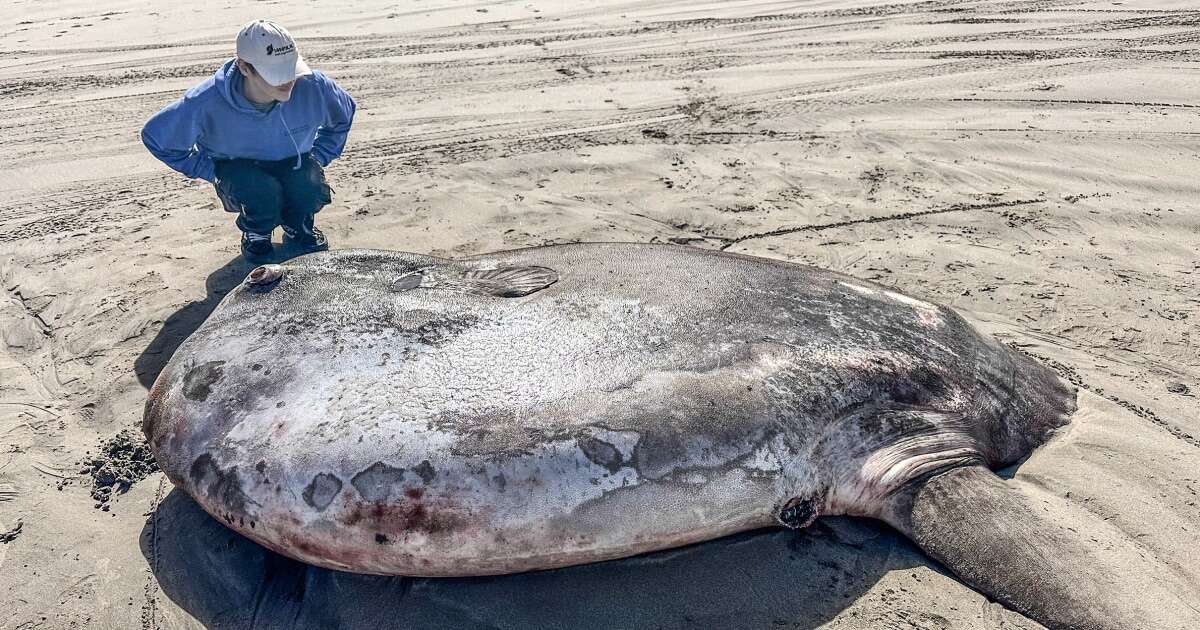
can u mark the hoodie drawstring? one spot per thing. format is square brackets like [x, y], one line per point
[289, 135]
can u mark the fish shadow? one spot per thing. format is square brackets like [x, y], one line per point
[182, 323]
[765, 579]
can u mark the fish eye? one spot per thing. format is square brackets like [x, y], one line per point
[407, 282]
[264, 275]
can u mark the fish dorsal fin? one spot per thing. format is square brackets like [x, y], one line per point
[509, 281]
[500, 282]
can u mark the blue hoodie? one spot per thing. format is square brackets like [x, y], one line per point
[214, 121]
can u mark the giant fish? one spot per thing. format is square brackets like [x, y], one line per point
[393, 413]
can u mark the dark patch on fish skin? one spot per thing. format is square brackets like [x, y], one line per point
[381, 539]
[412, 516]
[500, 481]
[223, 486]
[441, 331]
[376, 482]
[700, 420]
[321, 491]
[414, 493]
[657, 453]
[602, 453]
[261, 469]
[425, 471]
[675, 427]
[198, 382]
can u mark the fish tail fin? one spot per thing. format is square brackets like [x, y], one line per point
[1038, 554]
[1018, 403]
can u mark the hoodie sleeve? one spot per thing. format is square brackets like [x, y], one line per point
[339, 114]
[171, 136]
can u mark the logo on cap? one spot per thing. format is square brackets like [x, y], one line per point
[282, 50]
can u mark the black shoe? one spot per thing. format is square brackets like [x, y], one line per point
[312, 240]
[256, 250]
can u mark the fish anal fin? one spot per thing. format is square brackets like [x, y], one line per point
[1038, 554]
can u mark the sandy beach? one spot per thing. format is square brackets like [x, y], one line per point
[1030, 163]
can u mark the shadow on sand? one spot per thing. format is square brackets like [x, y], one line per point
[186, 320]
[766, 579]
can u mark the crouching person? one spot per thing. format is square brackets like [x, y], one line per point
[262, 129]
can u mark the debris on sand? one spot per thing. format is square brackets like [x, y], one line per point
[11, 535]
[123, 461]
[1178, 388]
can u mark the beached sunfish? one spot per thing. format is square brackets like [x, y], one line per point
[393, 413]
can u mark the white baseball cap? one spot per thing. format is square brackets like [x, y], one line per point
[270, 49]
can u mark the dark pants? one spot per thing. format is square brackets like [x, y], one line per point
[267, 195]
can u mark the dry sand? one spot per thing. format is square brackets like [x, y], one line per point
[1030, 162]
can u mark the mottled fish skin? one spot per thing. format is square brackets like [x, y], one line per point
[392, 413]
